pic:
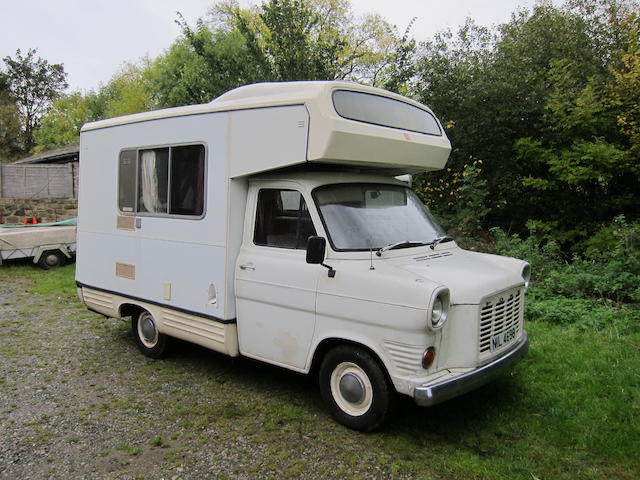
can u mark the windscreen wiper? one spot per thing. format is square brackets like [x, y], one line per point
[403, 244]
[434, 243]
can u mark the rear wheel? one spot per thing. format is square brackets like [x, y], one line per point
[52, 259]
[150, 341]
[356, 388]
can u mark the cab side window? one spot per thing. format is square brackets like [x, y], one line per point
[282, 220]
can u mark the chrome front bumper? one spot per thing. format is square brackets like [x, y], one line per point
[428, 395]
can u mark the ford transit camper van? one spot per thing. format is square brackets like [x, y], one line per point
[269, 223]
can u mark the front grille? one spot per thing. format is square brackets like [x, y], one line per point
[498, 314]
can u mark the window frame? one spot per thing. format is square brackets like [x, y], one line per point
[255, 216]
[437, 122]
[322, 220]
[170, 146]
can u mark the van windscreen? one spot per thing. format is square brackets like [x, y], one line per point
[363, 216]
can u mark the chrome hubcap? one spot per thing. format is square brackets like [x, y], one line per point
[351, 388]
[148, 329]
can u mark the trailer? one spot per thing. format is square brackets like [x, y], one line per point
[269, 223]
[49, 245]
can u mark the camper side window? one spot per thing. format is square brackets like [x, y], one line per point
[127, 181]
[162, 181]
[282, 220]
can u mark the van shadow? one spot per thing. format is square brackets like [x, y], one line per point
[247, 373]
[466, 422]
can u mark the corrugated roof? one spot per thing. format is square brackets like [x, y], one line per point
[68, 153]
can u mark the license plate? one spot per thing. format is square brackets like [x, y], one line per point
[503, 339]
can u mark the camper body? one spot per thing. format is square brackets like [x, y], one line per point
[268, 223]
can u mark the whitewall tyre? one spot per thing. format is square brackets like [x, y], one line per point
[356, 388]
[150, 341]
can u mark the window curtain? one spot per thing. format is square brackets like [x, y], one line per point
[149, 177]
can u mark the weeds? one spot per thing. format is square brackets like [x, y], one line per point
[158, 442]
[608, 270]
[132, 450]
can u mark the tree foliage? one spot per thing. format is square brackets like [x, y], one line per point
[281, 40]
[129, 91]
[547, 101]
[68, 114]
[542, 111]
[34, 83]
[9, 122]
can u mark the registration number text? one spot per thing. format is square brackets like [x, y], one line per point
[503, 338]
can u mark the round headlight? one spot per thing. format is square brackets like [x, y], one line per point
[436, 311]
[439, 308]
[526, 276]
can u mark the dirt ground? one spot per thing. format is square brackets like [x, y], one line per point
[77, 400]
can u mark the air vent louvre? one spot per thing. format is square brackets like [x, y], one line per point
[433, 256]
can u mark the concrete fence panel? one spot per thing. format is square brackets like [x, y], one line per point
[36, 181]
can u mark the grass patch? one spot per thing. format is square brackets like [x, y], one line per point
[57, 282]
[132, 450]
[158, 442]
[570, 409]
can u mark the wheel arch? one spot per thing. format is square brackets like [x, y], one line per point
[329, 343]
[127, 309]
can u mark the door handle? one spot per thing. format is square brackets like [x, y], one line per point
[247, 267]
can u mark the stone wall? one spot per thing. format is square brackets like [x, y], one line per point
[13, 211]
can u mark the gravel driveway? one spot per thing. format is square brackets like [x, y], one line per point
[77, 400]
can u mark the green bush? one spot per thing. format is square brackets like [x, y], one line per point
[544, 255]
[585, 313]
[609, 268]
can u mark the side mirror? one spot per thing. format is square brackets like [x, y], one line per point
[316, 247]
[315, 250]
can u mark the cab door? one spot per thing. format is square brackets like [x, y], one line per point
[275, 287]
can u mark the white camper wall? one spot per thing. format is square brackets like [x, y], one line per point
[263, 139]
[187, 254]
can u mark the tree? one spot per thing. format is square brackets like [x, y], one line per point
[180, 76]
[68, 114]
[293, 42]
[34, 83]
[547, 103]
[129, 91]
[281, 40]
[626, 89]
[9, 122]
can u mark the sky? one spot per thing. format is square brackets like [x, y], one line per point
[93, 38]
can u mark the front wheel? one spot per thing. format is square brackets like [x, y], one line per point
[355, 388]
[150, 341]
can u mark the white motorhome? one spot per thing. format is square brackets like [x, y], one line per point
[268, 223]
